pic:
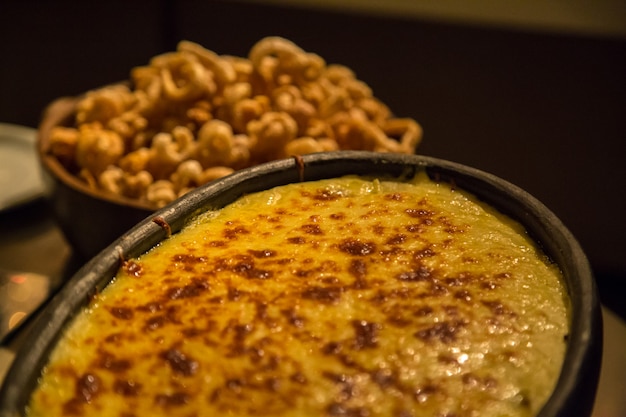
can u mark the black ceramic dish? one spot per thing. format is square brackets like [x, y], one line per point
[576, 387]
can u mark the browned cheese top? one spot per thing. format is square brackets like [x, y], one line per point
[342, 297]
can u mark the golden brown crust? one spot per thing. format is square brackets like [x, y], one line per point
[343, 297]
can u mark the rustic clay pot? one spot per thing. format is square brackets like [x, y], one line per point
[575, 390]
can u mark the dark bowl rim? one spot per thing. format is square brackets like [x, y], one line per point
[582, 359]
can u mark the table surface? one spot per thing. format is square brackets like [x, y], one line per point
[30, 241]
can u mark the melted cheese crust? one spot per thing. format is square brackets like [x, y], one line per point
[343, 297]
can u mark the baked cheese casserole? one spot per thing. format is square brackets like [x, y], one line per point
[343, 297]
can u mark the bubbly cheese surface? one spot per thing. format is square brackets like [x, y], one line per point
[342, 297]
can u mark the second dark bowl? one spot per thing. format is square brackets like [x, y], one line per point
[89, 219]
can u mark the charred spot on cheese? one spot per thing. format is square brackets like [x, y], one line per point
[179, 362]
[342, 297]
[132, 268]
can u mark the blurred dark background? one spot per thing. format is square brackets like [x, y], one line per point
[544, 109]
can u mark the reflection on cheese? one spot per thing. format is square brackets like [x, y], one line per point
[343, 297]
